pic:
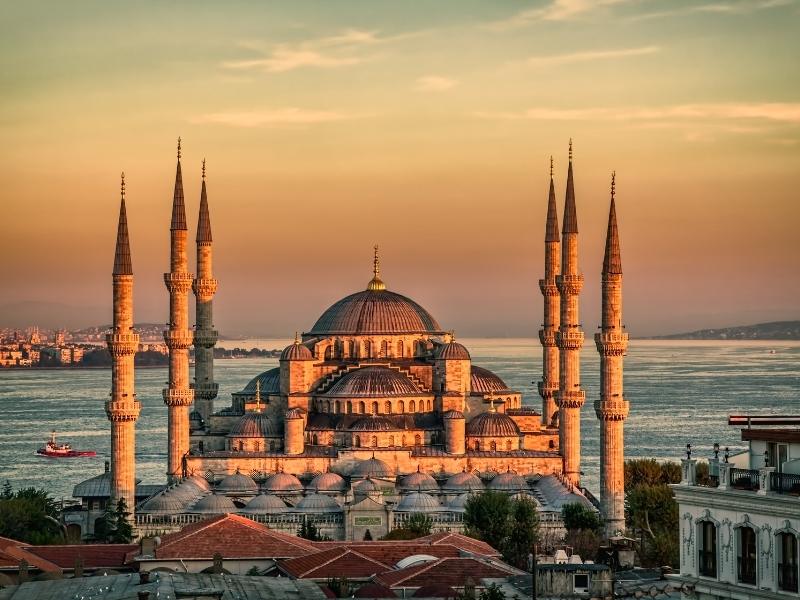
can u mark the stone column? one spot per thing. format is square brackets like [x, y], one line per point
[455, 432]
[178, 395]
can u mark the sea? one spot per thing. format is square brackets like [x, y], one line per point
[679, 391]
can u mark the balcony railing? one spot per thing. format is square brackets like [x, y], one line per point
[785, 483]
[787, 577]
[746, 570]
[710, 481]
[744, 479]
[708, 563]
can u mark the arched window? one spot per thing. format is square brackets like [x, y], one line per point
[508, 445]
[272, 445]
[349, 407]
[367, 349]
[384, 348]
[351, 345]
[403, 440]
[412, 406]
[477, 445]
[417, 440]
[374, 408]
[551, 444]
[362, 408]
[429, 406]
[357, 441]
[746, 555]
[374, 441]
[387, 407]
[257, 446]
[708, 549]
[400, 348]
[337, 407]
[327, 406]
[315, 439]
[241, 445]
[493, 446]
[787, 562]
[391, 440]
[329, 352]
[401, 407]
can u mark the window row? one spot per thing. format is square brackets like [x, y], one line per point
[361, 408]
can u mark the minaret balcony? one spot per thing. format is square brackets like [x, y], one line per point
[122, 344]
[204, 289]
[178, 339]
[122, 410]
[612, 409]
[573, 399]
[205, 391]
[611, 343]
[547, 337]
[549, 288]
[570, 339]
[547, 389]
[205, 338]
[179, 283]
[177, 397]
[569, 284]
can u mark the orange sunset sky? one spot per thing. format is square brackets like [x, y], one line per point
[425, 127]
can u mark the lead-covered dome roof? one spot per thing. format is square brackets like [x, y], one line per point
[372, 467]
[492, 424]
[419, 481]
[463, 481]
[327, 482]
[374, 423]
[374, 382]
[484, 381]
[264, 504]
[318, 503]
[254, 425]
[237, 483]
[282, 483]
[296, 351]
[452, 351]
[418, 502]
[509, 481]
[270, 383]
[214, 504]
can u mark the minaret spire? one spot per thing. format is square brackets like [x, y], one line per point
[205, 337]
[548, 386]
[569, 339]
[122, 408]
[612, 408]
[178, 395]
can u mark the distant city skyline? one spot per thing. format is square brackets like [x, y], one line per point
[330, 128]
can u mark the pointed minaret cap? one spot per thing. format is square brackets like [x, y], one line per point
[551, 233]
[570, 214]
[178, 207]
[204, 220]
[612, 261]
[122, 254]
[376, 284]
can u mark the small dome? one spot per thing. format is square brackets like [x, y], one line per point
[484, 381]
[214, 504]
[283, 483]
[264, 504]
[419, 481]
[200, 483]
[254, 425]
[366, 486]
[492, 424]
[372, 467]
[452, 351]
[270, 383]
[195, 420]
[318, 503]
[460, 501]
[463, 481]
[328, 482]
[453, 414]
[165, 503]
[508, 482]
[237, 483]
[296, 351]
[374, 423]
[294, 413]
[374, 382]
[418, 502]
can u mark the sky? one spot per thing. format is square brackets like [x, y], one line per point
[425, 127]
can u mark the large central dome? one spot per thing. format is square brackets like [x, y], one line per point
[375, 311]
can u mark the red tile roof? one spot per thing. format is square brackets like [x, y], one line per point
[453, 572]
[13, 552]
[233, 537]
[94, 555]
[334, 562]
[461, 541]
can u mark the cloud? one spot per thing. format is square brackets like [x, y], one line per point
[742, 7]
[434, 83]
[557, 59]
[556, 10]
[275, 117]
[285, 59]
[771, 111]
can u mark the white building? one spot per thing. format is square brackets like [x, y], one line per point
[739, 529]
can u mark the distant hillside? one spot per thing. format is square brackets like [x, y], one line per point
[776, 330]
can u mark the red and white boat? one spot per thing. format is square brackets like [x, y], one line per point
[53, 450]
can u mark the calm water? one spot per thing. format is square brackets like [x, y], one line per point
[679, 392]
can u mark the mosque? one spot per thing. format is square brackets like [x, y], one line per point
[373, 414]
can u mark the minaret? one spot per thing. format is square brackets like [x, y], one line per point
[123, 342]
[205, 338]
[612, 408]
[178, 396]
[569, 340]
[548, 386]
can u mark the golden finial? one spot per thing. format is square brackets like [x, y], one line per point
[570, 149]
[122, 185]
[613, 183]
[376, 284]
[551, 166]
[258, 395]
[204, 169]
[491, 401]
[179, 147]
[296, 339]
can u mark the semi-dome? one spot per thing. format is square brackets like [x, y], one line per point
[318, 503]
[419, 481]
[372, 467]
[328, 482]
[264, 504]
[418, 502]
[375, 311]
[452, 351]
[483, 381]
[254, 425]
[374, 423]
[237, 483]
[508, 482]
[463, 481]
[283, 483]
[165, 503]
[365, 486]
[296, 351]
[270, 383]
[492, 424]
[374, 382]
[200, 483]
[460, 501]
[214, 504]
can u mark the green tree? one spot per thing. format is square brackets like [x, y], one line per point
[123, 531]
[340, 586]
[492, 592]
[8, 491]
[525, 524]
[487, 517]
[642, 470]
[29, 515]
[419, 524]
[578, 516]
[671, 472]
[584, 542]
[309, 531]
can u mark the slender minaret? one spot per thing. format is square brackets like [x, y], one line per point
[205, 338]
[569, 340]
[178, 396]
[612, 408]
[123, 342]
[548, 386]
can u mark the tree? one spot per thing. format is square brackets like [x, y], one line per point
[419, 524]
[578, 516]
[309, 531]
[29, 515]
[584, 542]
[123, 532]
[671, 472]
[340, 586]
[525, 523]
[486, 517]
[642, 470]
[492, 592]
[8, 491]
